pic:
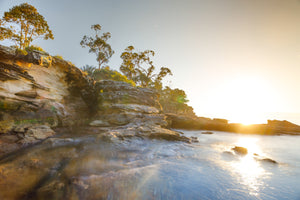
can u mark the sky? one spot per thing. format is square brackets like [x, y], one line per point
[236, 59]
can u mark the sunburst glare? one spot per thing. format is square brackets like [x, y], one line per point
[249, 172]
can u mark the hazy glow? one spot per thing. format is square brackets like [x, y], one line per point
[245, 98]
[250, 144]
[249, 171]
[248, 98]
[235, 59]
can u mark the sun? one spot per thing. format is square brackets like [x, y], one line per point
[247, 98]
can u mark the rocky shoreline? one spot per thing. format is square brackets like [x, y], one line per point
[41, 95]
[273, 127]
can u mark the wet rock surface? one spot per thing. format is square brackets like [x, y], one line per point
[86, 164]
[207, 132]
[264, 159]
[240, 150]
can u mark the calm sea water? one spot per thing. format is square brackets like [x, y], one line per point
[243, 177]
[84, 167]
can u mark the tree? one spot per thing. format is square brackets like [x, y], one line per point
[23, 24]
[128, 67]
[139, 67]
[164, 71]
[98, 45]
[89, 69]
[5, 33]
[175, 101]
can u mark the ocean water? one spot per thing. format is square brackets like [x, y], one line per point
[233, 176]
[80, 166]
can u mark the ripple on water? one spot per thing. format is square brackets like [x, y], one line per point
[83, 167]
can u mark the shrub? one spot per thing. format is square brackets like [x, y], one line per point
[21, 51]
[59, 57]
[70, 63]
[34, 48]
[107, 73]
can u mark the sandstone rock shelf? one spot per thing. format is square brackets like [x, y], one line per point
[273, 127]
[41, 94]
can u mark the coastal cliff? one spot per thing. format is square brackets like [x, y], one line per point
[41, 95]
[273, 127]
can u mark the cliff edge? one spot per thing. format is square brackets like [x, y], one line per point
[41, 96]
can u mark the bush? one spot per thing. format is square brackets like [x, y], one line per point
[21, 51]
[70, 63]
[175, 101]
[34, 48]
[106, 74]
[59, 57]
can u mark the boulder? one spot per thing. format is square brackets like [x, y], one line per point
[264, 159]
[240, 150]
[99, 123]
[269, 160]
[207, 132]
[39, 132]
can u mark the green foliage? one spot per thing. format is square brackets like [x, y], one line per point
[34, 48]
[175, 101]
[98, 45]
[89, 69]
[5, 33]
[105, 74]
[22, 24]
[21, 51]
[70, 63]
[138, 67]
[59, 57]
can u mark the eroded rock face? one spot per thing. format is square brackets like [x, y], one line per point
[117, 92]
[132, 112]
[121, 104]
[39, 93]
[38, 90]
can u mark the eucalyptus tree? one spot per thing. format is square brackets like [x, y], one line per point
[139, 67]
[23, 24]
[98, 45]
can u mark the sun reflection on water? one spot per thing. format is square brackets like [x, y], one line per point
[249, 172]
[249, 143]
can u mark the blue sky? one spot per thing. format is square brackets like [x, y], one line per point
[233, 58]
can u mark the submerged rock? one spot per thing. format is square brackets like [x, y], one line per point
[207, 132]
[194, 139]
[264, 159]
[269, 160]
[240, 150]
